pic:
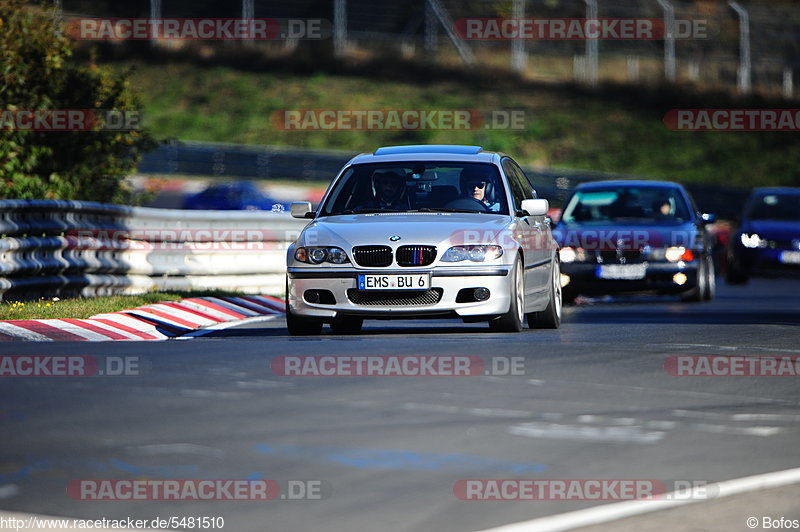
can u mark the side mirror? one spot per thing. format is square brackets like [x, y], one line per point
[301, 209]
[536, 207]
[708, 218]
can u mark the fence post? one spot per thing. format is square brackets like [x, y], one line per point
[58, 16]
[435, 7]
[248, 13]
[788, 83]
[518, 56]
[592, 48]
[431, 37]
[339, 28]
[670, 69]
[633, 68]
[744, 46]
[155, 14]
[694, 70]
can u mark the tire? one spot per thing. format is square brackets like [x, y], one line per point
[300, 326]
[697, 294]
[347, 325]
[550, 317]
[513, 320]
[733, 275]
[711, 281]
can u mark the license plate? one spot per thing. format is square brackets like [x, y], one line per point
[416, 281]
[790, 257]
[622, 271]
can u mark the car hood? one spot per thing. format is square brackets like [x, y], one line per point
[412, 228]
[609, 237]
[773, 229]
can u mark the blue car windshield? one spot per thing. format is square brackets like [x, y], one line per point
[416, 186]
[627, 204]
[779, 207]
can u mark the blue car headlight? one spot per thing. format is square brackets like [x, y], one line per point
[752, 241]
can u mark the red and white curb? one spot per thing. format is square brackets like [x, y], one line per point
[158, 321]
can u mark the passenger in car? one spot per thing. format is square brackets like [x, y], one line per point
[476, 185]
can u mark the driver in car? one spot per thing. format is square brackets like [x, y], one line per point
[389, 191]
[476, 185]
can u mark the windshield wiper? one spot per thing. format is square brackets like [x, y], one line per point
[365, 211]
[444, 209]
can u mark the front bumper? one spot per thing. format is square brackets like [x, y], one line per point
[584, 279]
[450, 280]
[767, 261]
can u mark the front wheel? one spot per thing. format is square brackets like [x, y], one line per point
[550, 317]
[698, 293]
[711, 281]
[512, 320]
[300, 326]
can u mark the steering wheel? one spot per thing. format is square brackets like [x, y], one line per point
[467, 204]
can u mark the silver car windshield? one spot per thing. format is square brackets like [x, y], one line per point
[423, 186]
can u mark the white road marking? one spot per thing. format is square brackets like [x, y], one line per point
[727, 347]
[612, 512]
[556, 431]
[175, 448]
[8, 490]
[725, 429]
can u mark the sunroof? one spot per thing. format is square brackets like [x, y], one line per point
[429, 148]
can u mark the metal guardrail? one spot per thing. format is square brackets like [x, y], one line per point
[52, 247]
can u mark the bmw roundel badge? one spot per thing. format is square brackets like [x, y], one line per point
[394, 238]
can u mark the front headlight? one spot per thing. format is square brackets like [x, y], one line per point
[318, 255]
[676, 253]
[472, 253]
[568, 254]
[752, 241]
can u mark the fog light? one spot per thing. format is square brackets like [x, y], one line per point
[679, 279]
[481, 294]
[312, 296]
[564, 280]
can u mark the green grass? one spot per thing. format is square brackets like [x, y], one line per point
[614, 129]
[85, 307]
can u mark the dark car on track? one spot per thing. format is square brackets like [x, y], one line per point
[236, 195]
[767, 241]
[635, 236]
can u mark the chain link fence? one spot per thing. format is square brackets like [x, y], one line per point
[746, 46]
